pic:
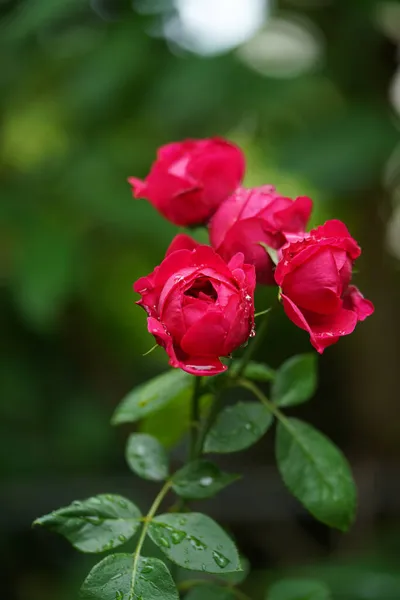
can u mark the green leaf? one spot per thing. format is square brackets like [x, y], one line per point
[298, 589]
[196, 542]
[210, 592]
[295, 381]
[170, 423]
[272, 253]
[201, 479]
[96, 524]
[114, 578]
[151, 396]
[316, 473]
[237, 427]
[254, 370]
[146, 457]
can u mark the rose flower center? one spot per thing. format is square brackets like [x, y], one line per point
[203, 289]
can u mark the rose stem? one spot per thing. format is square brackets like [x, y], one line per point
[253, 346]
[195, 418]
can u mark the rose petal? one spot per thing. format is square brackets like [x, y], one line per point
[354, 300]
[315, 285]
[205, 337]
[202, 366]
[181, 242]
[295, 217]
[324, 330]
[138, 187]
[332, 228]
[163, 339]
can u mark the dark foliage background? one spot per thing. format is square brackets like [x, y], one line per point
[88, 92]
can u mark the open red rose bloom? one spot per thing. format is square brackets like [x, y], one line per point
[199, 307]
[251, 218]
[314, 275]
[199, 301]
[190, 179]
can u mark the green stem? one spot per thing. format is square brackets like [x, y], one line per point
[147, 520]
[195, 418]
[184, 586]
[245, 383]
[283, 420]
[208, 421]
[253, 346]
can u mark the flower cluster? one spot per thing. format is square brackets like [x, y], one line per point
[200, 299]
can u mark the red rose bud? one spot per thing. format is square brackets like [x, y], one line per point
[190, 179]
[199, 307]
[251, 218]
[314, 275]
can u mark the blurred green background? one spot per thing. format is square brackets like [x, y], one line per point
[89, 89]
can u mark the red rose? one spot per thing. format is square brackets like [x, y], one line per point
[314, 275]
[199, 308]
[251, 216]
[190, 179]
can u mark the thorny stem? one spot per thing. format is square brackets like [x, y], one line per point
[146, 522]
[184, 586]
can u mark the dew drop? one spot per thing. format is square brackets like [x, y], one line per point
[140, 450]
[202, 367]
[182, 522]
[164, 542]
[196, 544]
[94, 520]
[177, 536]
[220, 559]
[206, 481]
[147, 568]
[122, 538]
[122, 503]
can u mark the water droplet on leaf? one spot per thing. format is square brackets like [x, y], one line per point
[147, 569]
[206, 481]
[164, 542]
[220, 559]
[177, 536]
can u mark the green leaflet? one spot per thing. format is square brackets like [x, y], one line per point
[114, 578]
[196, 542]
[96, 524]
[146, 457]
[316, 472]
[151, 396]
[237, 427]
